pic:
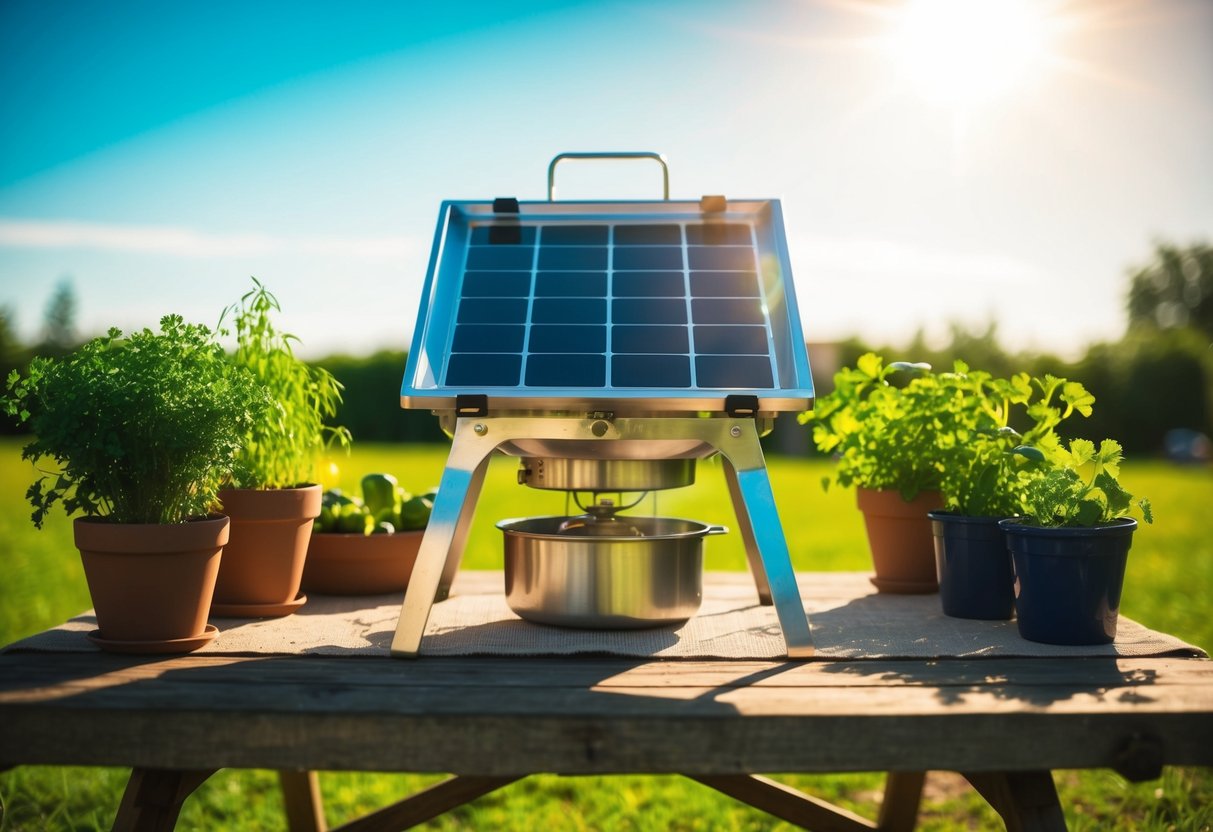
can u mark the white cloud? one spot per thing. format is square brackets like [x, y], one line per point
[188, 242]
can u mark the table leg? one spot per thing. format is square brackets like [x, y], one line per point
[153, 797]
[902, 796]
[427, 804]
[786, 803]
[301, 796]
[1026, 800]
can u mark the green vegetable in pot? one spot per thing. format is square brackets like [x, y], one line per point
[324, 523]
[354, 519]
[335, 497]
[414, 513]
[379, 492]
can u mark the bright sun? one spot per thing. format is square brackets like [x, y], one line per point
[965, 53]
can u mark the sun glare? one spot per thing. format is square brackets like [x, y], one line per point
[964, 53]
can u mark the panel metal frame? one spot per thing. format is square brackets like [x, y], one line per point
[792, 388]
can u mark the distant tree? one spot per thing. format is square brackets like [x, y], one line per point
[59, 321]
[1174, 290]
[13, 356]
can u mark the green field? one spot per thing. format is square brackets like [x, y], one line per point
[1169, 582]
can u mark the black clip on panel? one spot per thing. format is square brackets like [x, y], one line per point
[741, 406]
[471, 404]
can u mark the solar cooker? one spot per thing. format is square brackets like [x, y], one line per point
[608, 345]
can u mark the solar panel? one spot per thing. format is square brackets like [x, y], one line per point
[609, 301]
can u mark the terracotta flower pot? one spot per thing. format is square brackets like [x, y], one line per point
[899, 535]
[359, 564]
[151, 583]
[263, 563]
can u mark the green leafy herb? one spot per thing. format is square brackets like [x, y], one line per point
[141, 429]
[988, 465]
[950, 431]
[280, 451]
[1081, 488]
[884, 435]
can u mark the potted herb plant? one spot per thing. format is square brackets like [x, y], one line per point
[1071, 547]
[366, 545]
[885, 437]
[988, 468]
[272, 497]
[137, 433]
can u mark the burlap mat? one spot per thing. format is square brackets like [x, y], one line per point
[849, 621]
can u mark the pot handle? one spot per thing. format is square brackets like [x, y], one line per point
[713, 530]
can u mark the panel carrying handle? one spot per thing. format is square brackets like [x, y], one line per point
[641, 154]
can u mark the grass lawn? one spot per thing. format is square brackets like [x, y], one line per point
[1168, 586]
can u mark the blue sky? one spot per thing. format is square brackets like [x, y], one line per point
[157, 155]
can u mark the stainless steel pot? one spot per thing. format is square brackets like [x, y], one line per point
[572, 575]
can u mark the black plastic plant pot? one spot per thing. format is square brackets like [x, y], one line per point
[1068, 580]
[974, 567]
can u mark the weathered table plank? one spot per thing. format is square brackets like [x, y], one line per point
[586, 715]
[1003, 722]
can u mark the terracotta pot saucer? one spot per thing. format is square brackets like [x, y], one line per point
[258, 610]
[904, 587]
[168, 645]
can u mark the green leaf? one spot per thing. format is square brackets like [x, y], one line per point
[1117, 499]
[1088, 512]
[869, 365]
[1082, 451]
[1077, 397]
[1109, 456]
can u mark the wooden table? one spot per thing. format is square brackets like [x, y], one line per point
[1003, 723]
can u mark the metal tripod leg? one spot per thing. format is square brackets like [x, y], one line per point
[442, 545]
[753, 498]
[752, 553]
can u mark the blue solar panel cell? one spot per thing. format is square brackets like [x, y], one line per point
[568, 311]
[575, 235]
[647, 257]
[721, 258]
[650, 339]
[651, 371]
[501, 257]
[504, 233]
[488, 338]
[727, 311]
[492, 311]
[570, 338]
[648, 285]
[649, 311]
[483, 370]
[648, 235]
[496, 284]
[738, 372]
[718, 234]
[731, 340]
[571, 284]
[592, 258]
[566, 371]
[724, 285]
